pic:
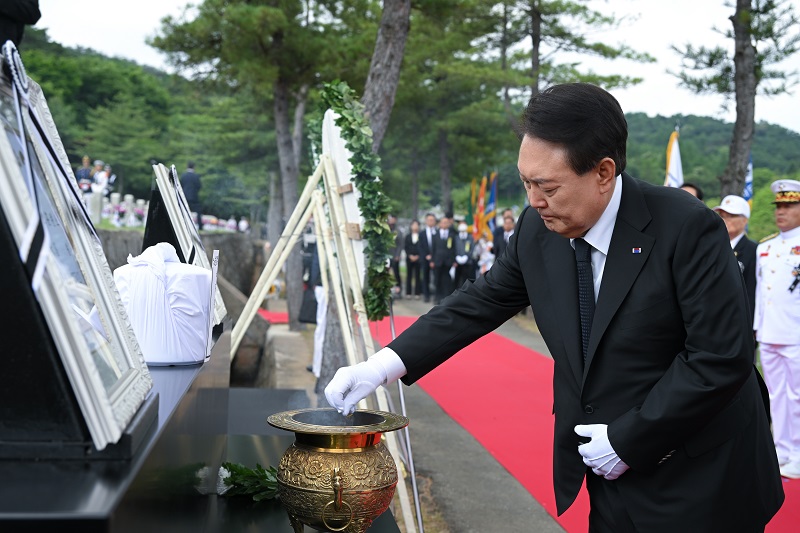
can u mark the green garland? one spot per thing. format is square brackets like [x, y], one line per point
[373, 204]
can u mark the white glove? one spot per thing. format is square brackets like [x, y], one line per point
[351, 384]
[598, 453]
[461, 259]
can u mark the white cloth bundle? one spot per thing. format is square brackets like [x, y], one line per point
[168, 305]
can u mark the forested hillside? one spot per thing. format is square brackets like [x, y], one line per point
[129, 115]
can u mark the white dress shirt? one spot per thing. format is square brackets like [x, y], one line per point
[599, 236]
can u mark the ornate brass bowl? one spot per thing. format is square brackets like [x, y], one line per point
[338, 475]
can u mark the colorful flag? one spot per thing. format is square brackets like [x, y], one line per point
[748, 182]
[469, 219]
[491, 204]
[476, 232]
[674, 176]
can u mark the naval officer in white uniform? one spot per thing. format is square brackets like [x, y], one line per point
[777, 323]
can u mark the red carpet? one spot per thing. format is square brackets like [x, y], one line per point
[508, 374]
[274, 317]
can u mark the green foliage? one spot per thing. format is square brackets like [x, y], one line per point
[128, 115]
[773, 27]
[704, 145]
[373, 204]
[259, 483]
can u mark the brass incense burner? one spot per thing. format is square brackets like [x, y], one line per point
[338, 475]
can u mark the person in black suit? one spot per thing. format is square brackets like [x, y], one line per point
[191, 185]
[414, 259]
[634, 289]
[502, 235]
[426, 249]
[735, 212]
[464, 255]
[443, 258]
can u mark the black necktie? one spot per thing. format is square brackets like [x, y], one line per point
[583, 257]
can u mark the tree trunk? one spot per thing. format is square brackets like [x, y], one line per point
[275, 214]
[444, 170]
[289, 173]
[334, 354]
[732, 180]
[297, 132]
[511, 115]
[536, 39]
[384, 70]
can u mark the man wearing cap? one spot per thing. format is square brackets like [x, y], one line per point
[735, 212]
[777, 320]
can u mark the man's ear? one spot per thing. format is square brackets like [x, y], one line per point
[606, 171]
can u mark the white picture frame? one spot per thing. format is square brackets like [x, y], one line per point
[169, 185]
[73, 282]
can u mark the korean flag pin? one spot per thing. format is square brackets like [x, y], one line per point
[636, 250]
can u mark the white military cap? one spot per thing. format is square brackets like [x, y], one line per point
[735, 205]
[786, 191]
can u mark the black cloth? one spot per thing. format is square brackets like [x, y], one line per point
[191, 185]
[395, 260]
[413, 266]
[14, 15]
[498, 242]
[745, 252]
[583, 261]
[443, 258]
[669, 366]
[466, 271]
[425, 253]
[608, 513]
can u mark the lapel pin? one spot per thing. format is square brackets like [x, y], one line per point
[636, 250]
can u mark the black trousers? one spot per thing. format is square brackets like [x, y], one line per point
[396, 271]
[426, 279]
[608, 513]
[443, 282]
[413, 281]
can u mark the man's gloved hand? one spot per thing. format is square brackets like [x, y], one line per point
[598, 453]
[351, 384]
[461, 259]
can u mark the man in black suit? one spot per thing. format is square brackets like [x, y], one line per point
[640, 301]
[443, 258]
[191, 185]
[735, 212]
[502, 235]
[426, 249]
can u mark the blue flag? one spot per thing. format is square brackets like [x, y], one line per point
[491, 204]
[748, 182]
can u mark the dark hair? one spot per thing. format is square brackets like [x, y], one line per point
[190, 164]
[583, 118]
[693, 186]
[429, 214]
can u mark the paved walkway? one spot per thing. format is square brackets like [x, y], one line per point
[464, 489]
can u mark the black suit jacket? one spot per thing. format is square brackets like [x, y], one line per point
[499, 244]
[424, 249]
[745, 252]
[669, 364]
[444, 250]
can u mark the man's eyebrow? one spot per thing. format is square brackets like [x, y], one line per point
[538, 181]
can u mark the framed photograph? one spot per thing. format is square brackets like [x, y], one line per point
[69, 274]
[189, 246]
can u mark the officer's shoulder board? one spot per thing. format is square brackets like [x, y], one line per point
[768, 237]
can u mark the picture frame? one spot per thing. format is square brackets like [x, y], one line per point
[71, 279]
[189, 247]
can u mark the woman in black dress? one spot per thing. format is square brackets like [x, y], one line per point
[413, 252]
